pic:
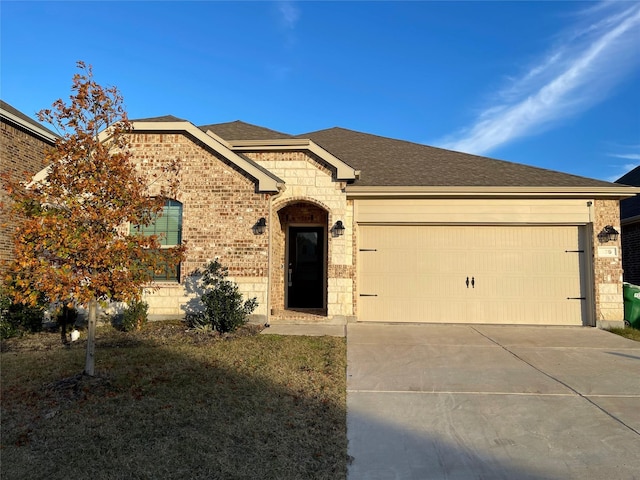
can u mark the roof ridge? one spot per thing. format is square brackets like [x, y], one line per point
[160, 118]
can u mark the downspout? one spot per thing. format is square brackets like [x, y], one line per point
[281, 189]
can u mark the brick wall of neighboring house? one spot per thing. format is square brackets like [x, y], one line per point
[631, 252]
[607, 265]
[21, 156]
[220, 207]
[311, 196]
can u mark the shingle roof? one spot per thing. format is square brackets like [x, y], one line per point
[243, 131]
[390, 162]
[14, 111]
[630, 207]
[163, 118]
[631, 178]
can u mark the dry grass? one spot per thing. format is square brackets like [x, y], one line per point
[168, 404]
[631, 333]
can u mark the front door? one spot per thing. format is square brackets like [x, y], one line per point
[305, 273]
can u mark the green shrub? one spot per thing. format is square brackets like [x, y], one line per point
[16, 318]
[135, 316]
[224, 308]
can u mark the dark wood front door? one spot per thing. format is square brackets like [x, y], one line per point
[305, 274]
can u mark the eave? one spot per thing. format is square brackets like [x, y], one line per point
[265, 181]
[630, 220]
[43, 134]
[358, 191]
[343, 170]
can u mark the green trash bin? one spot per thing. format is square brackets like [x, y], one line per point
[631, 294]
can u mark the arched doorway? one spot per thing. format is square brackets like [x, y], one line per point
[303, 254]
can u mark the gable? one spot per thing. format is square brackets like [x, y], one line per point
[244, 137]
[265, 181]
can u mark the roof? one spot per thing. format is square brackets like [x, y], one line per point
[266, 181]
[163, 118]
[630, 207]
[389, 162]
[243, 131]
[382, 163]
[631, 178]
[16, 116]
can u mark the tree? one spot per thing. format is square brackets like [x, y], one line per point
[73, 245]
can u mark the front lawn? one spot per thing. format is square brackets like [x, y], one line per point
[166, 404]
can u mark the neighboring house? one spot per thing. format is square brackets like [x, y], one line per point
[337, 226]
[22, 154]
[630, 219]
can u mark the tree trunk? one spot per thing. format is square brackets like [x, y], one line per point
[89, 364]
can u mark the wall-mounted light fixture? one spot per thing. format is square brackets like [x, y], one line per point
[608, 234]
[338, 229]
[260, 226]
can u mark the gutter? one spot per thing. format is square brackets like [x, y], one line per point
[40, 132]
[630, 220]
[357, 191]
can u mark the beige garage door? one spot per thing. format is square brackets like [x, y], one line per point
[471, 274]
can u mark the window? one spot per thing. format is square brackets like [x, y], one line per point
[169, 228]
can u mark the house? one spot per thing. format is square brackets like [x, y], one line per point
[630, 220]
[22, 153]
[336, 226]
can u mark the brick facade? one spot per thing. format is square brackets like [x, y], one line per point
[21, 156]
[220, 207]
[631, 252]
[222, 203]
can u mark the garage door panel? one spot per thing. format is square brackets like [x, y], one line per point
[520, 274]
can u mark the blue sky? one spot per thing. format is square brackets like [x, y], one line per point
[549, 84]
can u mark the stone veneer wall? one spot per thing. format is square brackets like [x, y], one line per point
[220, 207]
[607, 269]
[311, 196]
[22, 154]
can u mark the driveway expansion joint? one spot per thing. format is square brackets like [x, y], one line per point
[579, 394]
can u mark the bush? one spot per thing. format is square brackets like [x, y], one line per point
[135, 316]
[16, 318]
[224, 308]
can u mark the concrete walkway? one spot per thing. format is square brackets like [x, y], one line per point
[492, 402]
[311, 330]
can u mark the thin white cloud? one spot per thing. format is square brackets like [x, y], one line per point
[626, 156]
[289, 14]
[621, 170]
[594, 54]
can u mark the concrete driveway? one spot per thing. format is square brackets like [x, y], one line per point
[492, 402]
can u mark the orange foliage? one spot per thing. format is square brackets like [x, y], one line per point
[70, 246]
